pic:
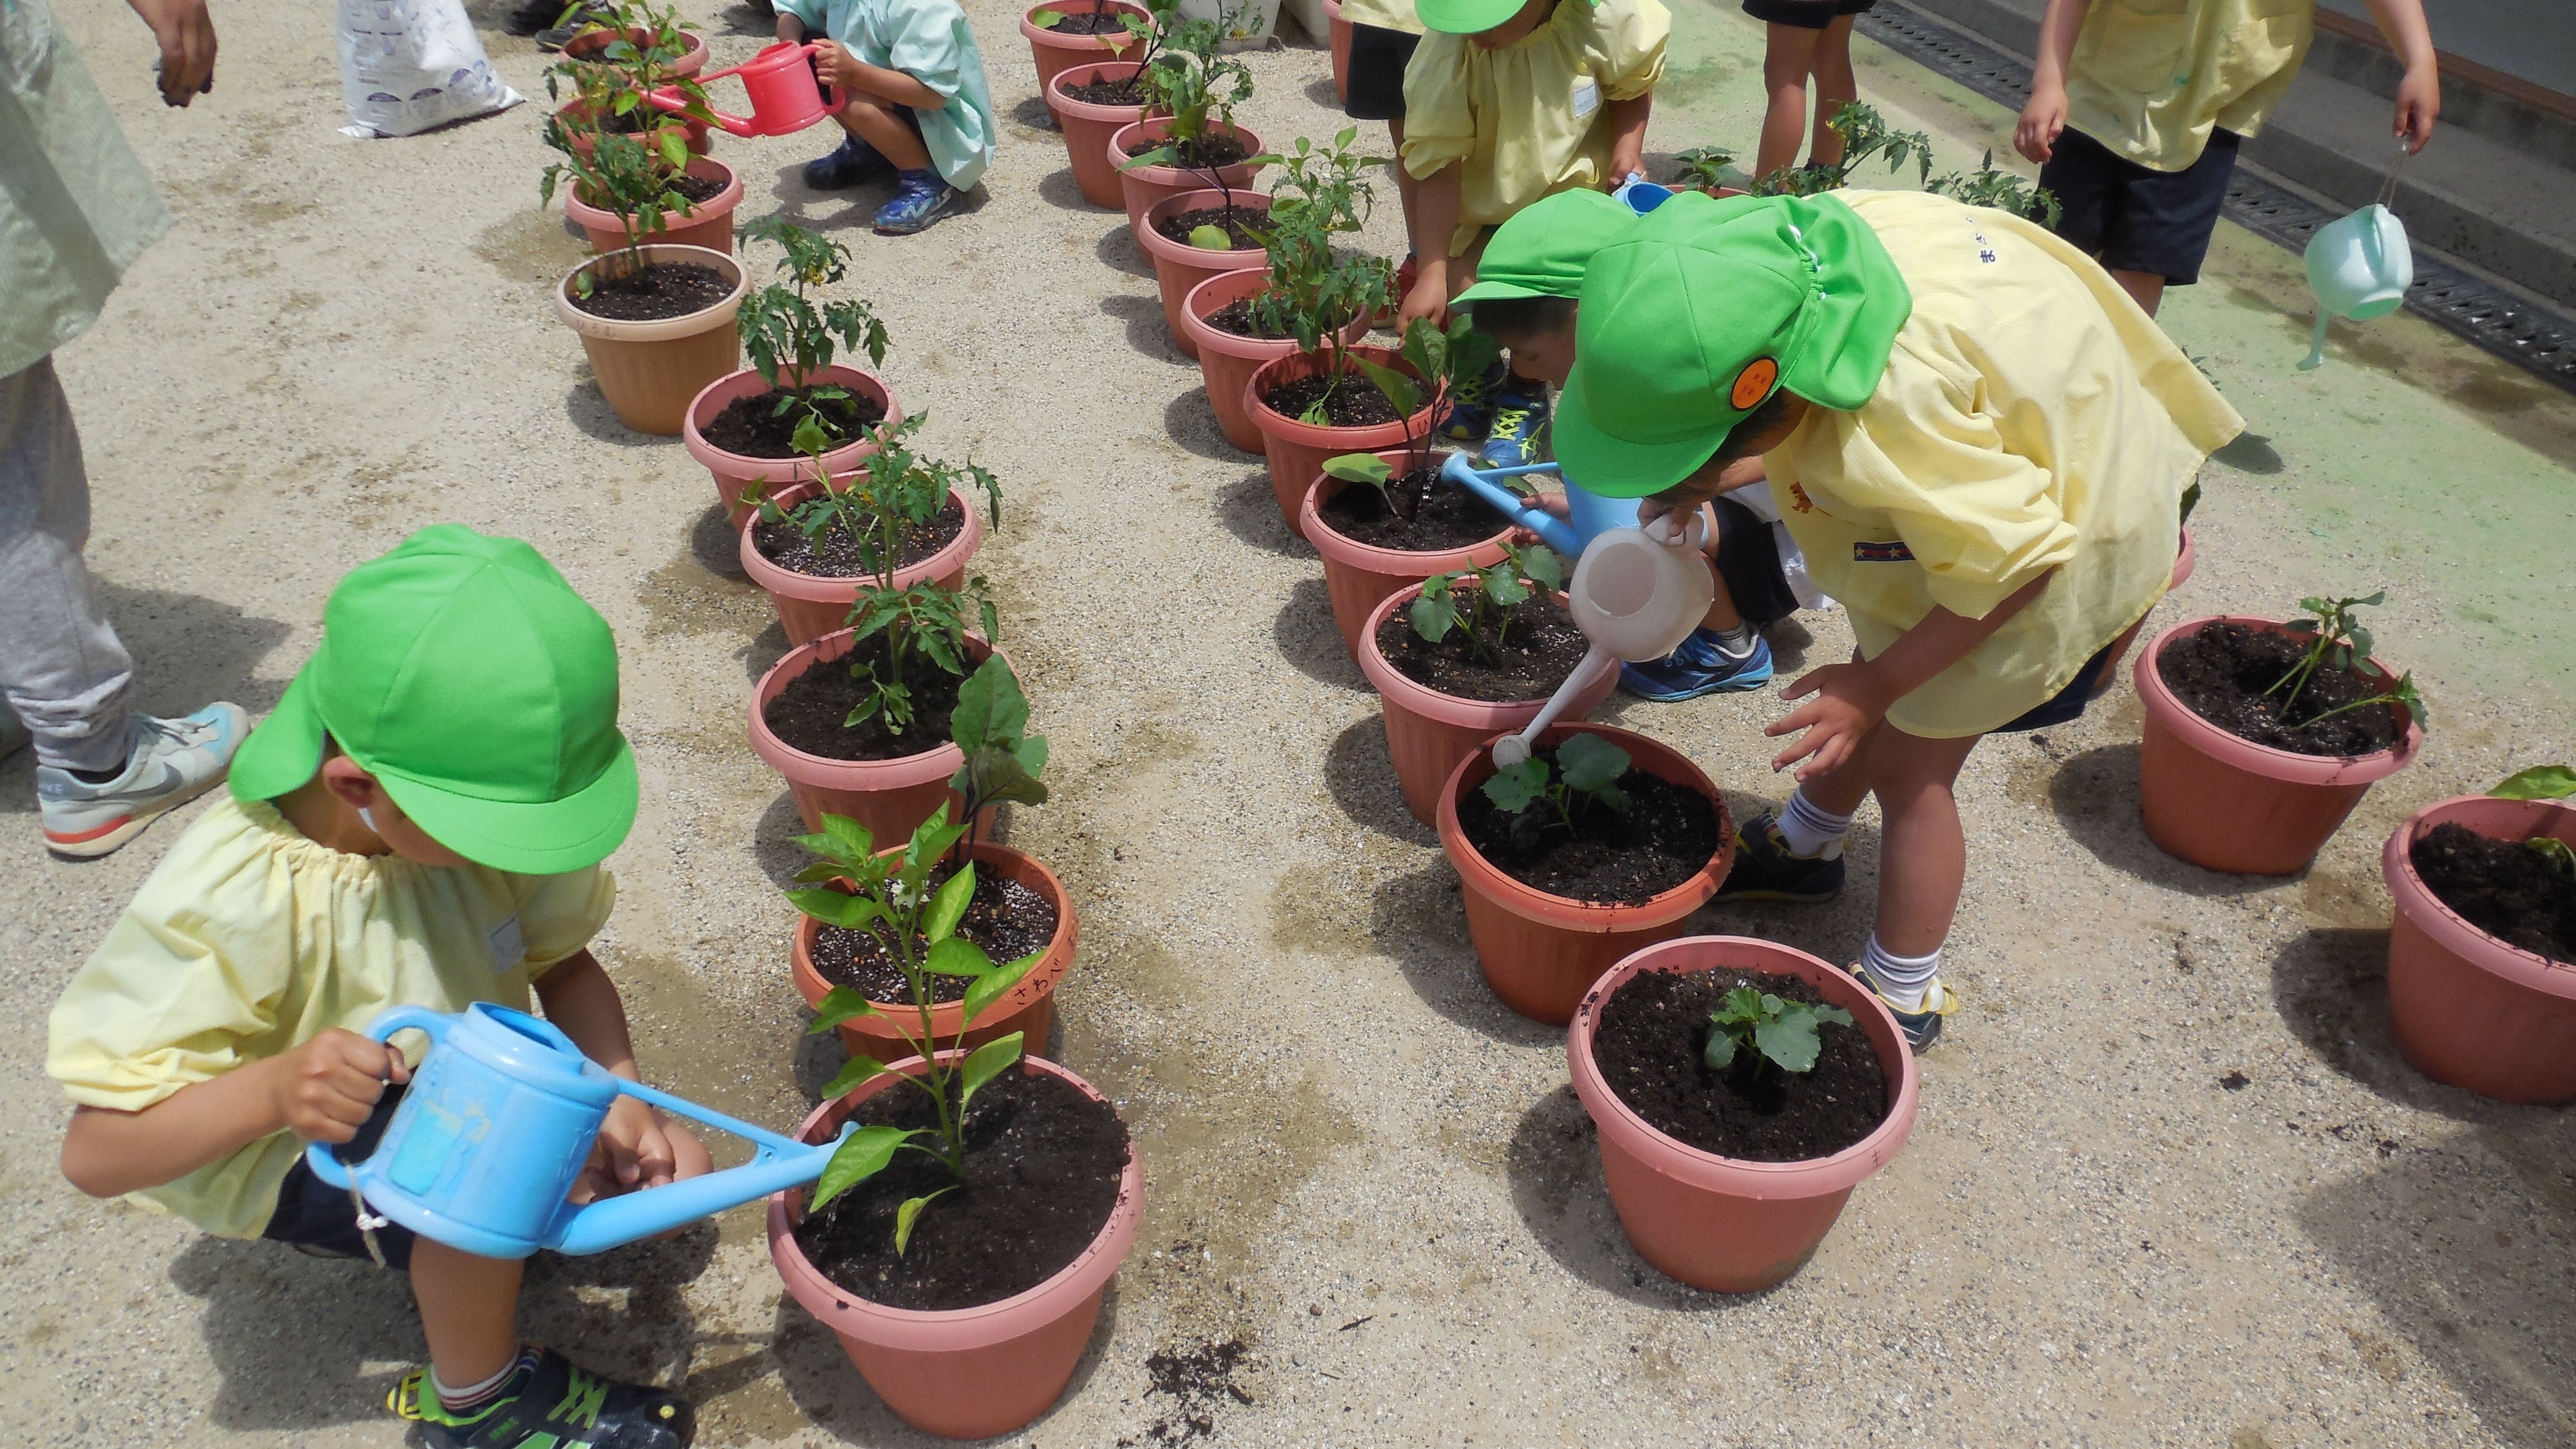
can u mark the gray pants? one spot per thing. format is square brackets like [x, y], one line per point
[62, 668]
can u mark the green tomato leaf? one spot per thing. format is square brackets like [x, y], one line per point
[1514, 790]
[985, 1063]
[949, 906]
[957, 956]
[861, 1155]
[910, 1213]
[840, 1004]
[2540, 782]
[847, 1079]
[1590, 762]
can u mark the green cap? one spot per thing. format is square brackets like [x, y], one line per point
[466, 676]
[1698, 314]
[1542, 251]
[1466, 17]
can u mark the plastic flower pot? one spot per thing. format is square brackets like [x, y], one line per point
[740, 473]
[1056, 51]
[1721, 1223]
[1178, 266]
[2470, 1009]
[586, 48]
[1029, 1008]
[2228, 804]
[810, 607]
[1429, 733]
[708, 224]
[1088, 127]
[2183, 562]
[890, 797]
[1341, 48]
[578, 112]
[965, 1373]
[1141, 186]
[650, 370]
[1297, 450]
[1357, 575]
[1227, 361]
[1540, 952]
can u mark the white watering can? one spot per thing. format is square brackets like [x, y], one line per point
[1636, 595]
[2359, 267]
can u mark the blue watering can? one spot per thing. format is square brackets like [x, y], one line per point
[1589, 514]
[1641, 195]
[496, 1126]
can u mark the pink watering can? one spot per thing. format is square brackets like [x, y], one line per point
[784, 95]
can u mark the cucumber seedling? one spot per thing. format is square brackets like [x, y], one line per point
[1751, 1028]
[1584, 780]
[1492, 593]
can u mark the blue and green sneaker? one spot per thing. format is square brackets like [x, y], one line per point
[548, 1403]
[1520, 421]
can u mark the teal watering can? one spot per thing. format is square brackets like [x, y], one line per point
[496, 1126]
[2359, 266]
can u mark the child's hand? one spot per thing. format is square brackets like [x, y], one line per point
[1849, 702]
[840, 68]
[2041, 121]
[328, 1086]
[1429, 297]
[2419, 101]
[633, 1151]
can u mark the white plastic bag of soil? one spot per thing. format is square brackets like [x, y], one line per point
[409, 65]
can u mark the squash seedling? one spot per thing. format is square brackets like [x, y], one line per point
[2543, 782]
[2338, 641]
[1587, 774]
[1492, 593]
[789, 338]
[1755, 1027]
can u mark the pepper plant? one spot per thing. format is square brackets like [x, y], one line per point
[891, 900]
[1491, 592]
[789, 338]
[2338, 641]
[1003, 760]
[1586, 774]
[2543, 782]
[1705, 167]
[1757, 1027]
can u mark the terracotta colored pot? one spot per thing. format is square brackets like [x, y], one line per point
[966, 1373]
[2469, 1009]
[2120, 647]
[1141, 186]
[1540, 952]
[1055, 52]
[738, 473]
[576, 110]
[1297, 450]
[890, 797]
[650, 370]
[1226, 361]
[811, 607]
[1359, 575]
[2223, 803]
[584, 49]
[709, 224]
[1087, 128]
[1178, 266]
[1029, 1008]
[1428, 733]
[1341, 47]
[1721, 1223]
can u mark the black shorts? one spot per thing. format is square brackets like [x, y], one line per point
[1378, 59]
[2136, 219]
[322, 1220]
[1748, 559]
[1805, 14]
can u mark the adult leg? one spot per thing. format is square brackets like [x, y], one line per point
[1788, 56]
[62, 668]
[1835, 88]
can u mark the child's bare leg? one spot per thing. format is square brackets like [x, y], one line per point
[1923, 854]
[1788, 55]
[469, 1311]
[1835, 88]
[2146, 288]
[874, 121]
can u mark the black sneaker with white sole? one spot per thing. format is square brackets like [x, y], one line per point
[1766, 869]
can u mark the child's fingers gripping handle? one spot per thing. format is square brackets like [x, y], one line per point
[319, 1156]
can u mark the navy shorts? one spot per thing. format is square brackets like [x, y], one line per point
[2067, 705]
[2134, 218]
[322, 1220]
[1806, 14]
[1748, 559]
[1376, 74]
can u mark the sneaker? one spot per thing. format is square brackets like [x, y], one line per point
[1921, 1028]
[556, 36]
[549, 1403]
[1700, 666]
[856, 161]
[13, 735]
[922, 199]
[1471, 407]
[1766, 869]
[1520, 420]
[173, 762]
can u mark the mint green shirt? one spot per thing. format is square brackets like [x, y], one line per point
[929, 41]
[76, 207]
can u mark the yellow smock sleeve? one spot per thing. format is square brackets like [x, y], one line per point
[1625, 48]
[561, 913]
[1439, 118]
[1980, 521]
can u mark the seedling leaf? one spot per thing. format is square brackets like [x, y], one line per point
[1513, 790]
[1591, 762]
[835, 908]
[957, 956]
[2540, 782]
[998, 982]
[847, 1079]
[840, 1004]
[910, 1213]
[1211, 238]
[949, 906]
[1046, 19]
[862, 1155]
[986, 1062]
[1359, 468]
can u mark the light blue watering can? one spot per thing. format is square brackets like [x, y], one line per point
[496, 1126]
[1641, 195]
[2359, 266]
[1589, 515]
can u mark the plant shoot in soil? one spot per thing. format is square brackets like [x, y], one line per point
[1586, 776]
[1441, 363]
[1003, 760]
[1866, 134]
[788, 337]
[1753, 1027]
[1492, 593]
[1315, 290]
[619, 153]
[1705, 167]
[2543, 782]
[2338, 641]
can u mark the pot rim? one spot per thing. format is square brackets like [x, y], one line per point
[1274, 423]
[1394, 684]
[1064, 105]
[712, 398]
[1039, 34]
[2449, 929]
[820, 589]
[1163, 248]
[1252, 280]
[2288, 766]
[944, 1015]
[1346, 550]
[939, 761]
[1173, 176]
[714, 208]
[660, 329]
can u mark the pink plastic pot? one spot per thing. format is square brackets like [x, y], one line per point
[576, 113]
[1087, 128]
[966, 1373]
[739, 473]
[708, 224]
[1055, 52]
[1540, 952]
[1227, 361]
[2223, 803]
[890, 797]
[1141, 186]
[1297, 450]
[1720, 1223]
[1428, 734]
[1341, 48]
[1178, 266]
[810, 607]
[2469, 1009]
[648, 371]
[1358, 576]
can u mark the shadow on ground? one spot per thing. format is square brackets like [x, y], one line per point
[1307, 636]
[1190, 419]
[1146, 330]
[1554, 1164]
[2095, 796]
[1361, 779]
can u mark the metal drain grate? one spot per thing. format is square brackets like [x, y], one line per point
[2532, 338]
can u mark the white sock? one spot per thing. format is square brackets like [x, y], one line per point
[1812, 831]
[467, 1398]
[1903, 980]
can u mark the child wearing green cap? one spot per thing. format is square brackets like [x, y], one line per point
[1982, 446]
[1507, 101]
[420, 823]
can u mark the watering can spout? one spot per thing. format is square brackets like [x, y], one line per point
[1460, 471]
[615, 1221]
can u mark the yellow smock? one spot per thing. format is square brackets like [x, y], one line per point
[2148, 78]
[250, 940]
[1532, 119]
[2032, 418]
[1385, 15]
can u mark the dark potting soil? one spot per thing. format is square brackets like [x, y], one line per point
[2220, 672]
[1354, 404]
[1666, 835]
[1103, 21]
[659, 290]
[753, 427]
[1441, 518]
[836, 557]
[1128, 92]
[1238, 318]
[1005, 918]
[1207, 153]
[807, 715]
[2503, 887]
[1540, 647]
[1649, 1046]
[1179, 225]
[1043, 1164]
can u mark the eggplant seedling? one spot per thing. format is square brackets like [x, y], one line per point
[1442, 362]
[2338, 641]
[2543, 782]
[1492, 593]
[1757, 1027]
[1003, 760]
[1587, 773]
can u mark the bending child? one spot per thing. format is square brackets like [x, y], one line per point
[913, 100]
[420, 823]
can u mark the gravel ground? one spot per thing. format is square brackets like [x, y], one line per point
[2171, 1184]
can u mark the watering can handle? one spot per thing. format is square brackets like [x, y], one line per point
[318, 1156]
[768, 1143]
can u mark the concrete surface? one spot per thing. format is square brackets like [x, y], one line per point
[1359, 1163]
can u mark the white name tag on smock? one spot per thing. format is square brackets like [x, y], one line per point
[509, 946]
[1587, 96]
